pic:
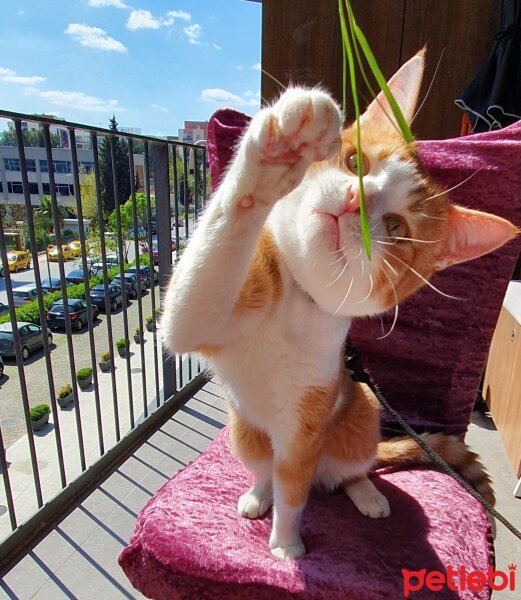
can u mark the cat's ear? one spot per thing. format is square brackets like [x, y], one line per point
[472, 233]
[405, 87]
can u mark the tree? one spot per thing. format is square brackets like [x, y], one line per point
[122, 170]
[126, 216]
[89, 200]
[31, 137]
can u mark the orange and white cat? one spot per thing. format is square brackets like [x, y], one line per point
[275, 271]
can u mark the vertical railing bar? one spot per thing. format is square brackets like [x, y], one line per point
[83, 242]
[19, 364]
[70, 347]
[41, 306]
[161, 163]
[196, 177]
[176, 200]
[185, 188]
[7, 484]
[152, 269]
[204, 178]
[115, 184]
[101, 223]
[138, 273]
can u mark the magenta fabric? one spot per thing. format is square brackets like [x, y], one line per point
[189, 541]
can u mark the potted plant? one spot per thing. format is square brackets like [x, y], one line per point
[84, 377]
[150, 323]
[105, 364]
[39, 416]
[122, 347]
[65, 396]
[138, 336]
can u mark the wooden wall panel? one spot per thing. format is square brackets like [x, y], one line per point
[465, 30]
[301, 45]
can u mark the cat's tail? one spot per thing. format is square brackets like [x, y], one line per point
[405, 451]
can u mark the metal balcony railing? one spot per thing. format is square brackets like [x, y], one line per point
[82, 444]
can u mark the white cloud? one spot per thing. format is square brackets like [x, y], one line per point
[239, 67]
[217, 47]
[193, 33]
[172, 15]
[78, 101]
[11, 77]
[142, 19]
[220, 96]
[102, 3]
[94, 37]
[256, 67]
[158, 108]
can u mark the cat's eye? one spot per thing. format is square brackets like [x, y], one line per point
[352, 164]
[396, 227]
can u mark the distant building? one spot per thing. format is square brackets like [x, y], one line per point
[11, 191]
[193, 131]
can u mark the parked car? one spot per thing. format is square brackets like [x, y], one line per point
[146, 273]
[24, 294]
[155, 252]
[52, 252]
[78, 314]
[112, 260]
[51, 285]
[1, 269]
[75, 246]
[1, 367]
[77, 276]
[130, 284]
[31, 338]
[18, 259]
[3, 308]
[114, 293]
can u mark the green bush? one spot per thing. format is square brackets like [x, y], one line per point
[84, 373]
[38, 411]
[105, 357]
[149, 319]
[30, 312]
[122, 343]
[138, 331]
[65, 391]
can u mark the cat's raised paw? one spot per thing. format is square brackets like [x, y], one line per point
[253, 505]
[303, 126]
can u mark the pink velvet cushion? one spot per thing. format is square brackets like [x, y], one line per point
[190, 543]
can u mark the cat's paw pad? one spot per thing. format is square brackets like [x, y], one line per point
[374, 505]
[289, 552]
[304, 125]
[253, 505]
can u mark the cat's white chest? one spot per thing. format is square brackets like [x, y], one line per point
[267, 373]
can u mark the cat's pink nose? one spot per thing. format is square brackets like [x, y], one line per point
[352, 204]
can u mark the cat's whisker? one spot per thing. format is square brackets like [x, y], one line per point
[386, 262]
[422, 278]
[429, 88]
[404, 239]
[284, 87]
[341, 273]
[433, 217]
[345, 297]
[395, 308]
[371, 283]
[454, 187]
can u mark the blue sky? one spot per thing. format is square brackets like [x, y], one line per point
[153, 63]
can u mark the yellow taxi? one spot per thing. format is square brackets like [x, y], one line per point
[18, 259]
[52, 252]
[75, 246]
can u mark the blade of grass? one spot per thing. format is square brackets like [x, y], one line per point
[380, 79]
[364, 223]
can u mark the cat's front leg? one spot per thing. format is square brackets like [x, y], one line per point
[279, 145]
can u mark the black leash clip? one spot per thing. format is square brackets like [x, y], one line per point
[353, 362]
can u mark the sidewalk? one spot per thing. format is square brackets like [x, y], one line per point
[20, 470]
